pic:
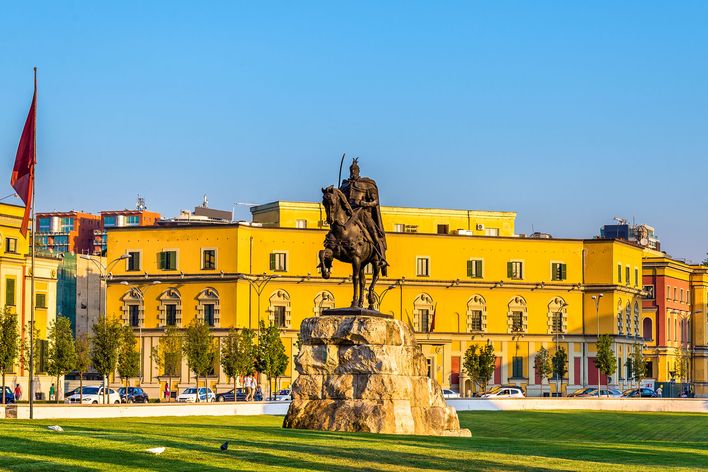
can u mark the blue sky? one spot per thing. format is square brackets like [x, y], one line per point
[569, 113]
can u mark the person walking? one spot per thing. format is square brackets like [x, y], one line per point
[254, 386]
[167, 391]
[659, 391]
[248, 384]
[18, 393]
[52, 392]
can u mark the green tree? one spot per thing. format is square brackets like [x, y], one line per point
[680, 364]
[25, 349]
[560, 365]
[271, 359]
[605, 360]
[62, 353]
[199, 349]
[83, 361]
[542, 365]
[479, 363]
[168, 354]
[9, 344]
[105, 344]
[128, 356]
[238, 354]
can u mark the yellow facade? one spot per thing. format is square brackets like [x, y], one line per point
[510, 297]
[15, 287]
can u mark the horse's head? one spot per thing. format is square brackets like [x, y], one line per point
[336, 206]
[329, 201]
[325, 257]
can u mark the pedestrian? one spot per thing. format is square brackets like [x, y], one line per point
[254, 387]
[52, 392]
[658, 391]
[167, 390]
[248, 383]
[18, 393]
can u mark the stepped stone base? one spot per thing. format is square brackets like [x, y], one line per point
[366, 374]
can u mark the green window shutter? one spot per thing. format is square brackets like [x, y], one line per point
[555, 273]
[10, 292]
[173, 260]
[479, 268]
[272, 261]
[162, 260]
[563, 271]
[509, 270]
[470, 268]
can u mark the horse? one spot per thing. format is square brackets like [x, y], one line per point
[346, 241]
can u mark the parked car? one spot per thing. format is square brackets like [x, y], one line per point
[643, 392]
[592, 392]
[93, 396]
[189, 395]
[9, 396]
[447, 393]
[240, 395]
[284, 395]
[134, 395]
[505, 392]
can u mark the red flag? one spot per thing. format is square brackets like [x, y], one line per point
[22, 179]
[432, 324]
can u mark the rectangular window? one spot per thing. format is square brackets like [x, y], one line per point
[558, 322]
[209, 259]
[619, 273]
[133, 260]
[474, 268]
[681, 295]
[132, 220]
[515, 270]
[45, 225]
[410, 229]
[40, 300]
[626, 275]
[629, 368]
[209, 314]
[301, 224]
[11, 245]
[636, 277]
[558, 271]
[422, 267]
[10, 292]
[491, 232]
[67, 225]
[171, 314]
[517, 321]
[278, 261]
[134, 315]
[399, 228]
[279, 316]
[675, 294]
[476, 320]
[517, 367]
[109, 221]
[168, 260]
[424, 318]
[443, 229]
[668, 292]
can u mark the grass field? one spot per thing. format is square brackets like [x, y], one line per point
[530, 440]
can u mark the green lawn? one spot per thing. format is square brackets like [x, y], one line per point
[567, 441]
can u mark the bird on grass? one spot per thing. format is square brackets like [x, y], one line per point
[224, 446]
[155, 450]
[56, 428]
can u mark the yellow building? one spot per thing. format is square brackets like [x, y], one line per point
[454, 285]
[15, 294]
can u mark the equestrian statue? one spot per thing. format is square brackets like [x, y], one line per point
[356, 234]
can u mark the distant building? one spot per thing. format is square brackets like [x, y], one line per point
[121, 219]
[60, 232]
[201, 214]
[641, 234]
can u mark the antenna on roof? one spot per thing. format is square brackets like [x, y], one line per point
[140, 203]
[205, 202]
[620, 220]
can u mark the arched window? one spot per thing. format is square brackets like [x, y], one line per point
[628, 316]
[132, 308]
[648, 329]
[557, 316]
[323, 301]
[170, 311]
[208, 307]
[476, 314]
[423, 309]
[279, 309]
[636, 319]
[619, 317]
[517, 316]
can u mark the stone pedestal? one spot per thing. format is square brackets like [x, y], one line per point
[366, 373]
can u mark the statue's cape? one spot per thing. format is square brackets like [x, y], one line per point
[376, 214]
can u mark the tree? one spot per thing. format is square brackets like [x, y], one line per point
[638, 364]
[680, 364]
[479, 365]
[542, 365]
[560, 365]
[129, 357]
[25, 349]
[168, 354]
[83, 361]
[9, 344]
[605, 361]
[271, 359]
[238, 354]
[62, 353]
[199, 349]
[105, 344]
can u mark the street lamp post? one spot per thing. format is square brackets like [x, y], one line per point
[384, 292]
[596, 299]
[257, 282]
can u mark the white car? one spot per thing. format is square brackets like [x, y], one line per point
[505, 392]
[92, 396]
[189, 395]
[284, 395]
[447, 393]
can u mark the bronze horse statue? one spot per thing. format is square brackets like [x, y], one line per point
[346, 241]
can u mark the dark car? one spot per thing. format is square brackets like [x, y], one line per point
[643, 392]
[134, 395]
[9, 396]
[240, 395]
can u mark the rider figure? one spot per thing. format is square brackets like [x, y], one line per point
[363, 196]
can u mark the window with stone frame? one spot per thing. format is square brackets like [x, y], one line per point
[557, 316]
[170, 309]
[279, 309]
[517, 316]
[628, 319]
[323, 301]
[476, 314]
[636, 319]
[423, 309]
[134, 315]
[132, 308]
[209, 307]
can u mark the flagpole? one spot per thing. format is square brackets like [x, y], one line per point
[32, 249]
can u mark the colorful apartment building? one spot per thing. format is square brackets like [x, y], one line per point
[60, 232]
[448, 279]
[120, 219]
[15, 292]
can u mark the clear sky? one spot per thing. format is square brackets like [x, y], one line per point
[569, 113]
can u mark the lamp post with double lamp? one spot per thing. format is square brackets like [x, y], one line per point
[384, 292]
[137, 293]
[596, 299]
[258, 283]
[104, 273]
